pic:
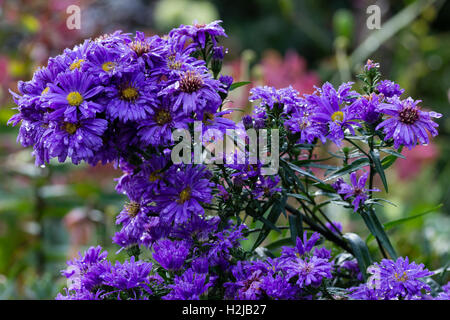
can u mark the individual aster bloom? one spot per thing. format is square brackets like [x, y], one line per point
[157, 128]
[286, 98]
[371, 65]
[266, 186]
[193, 90]
[130, 277]
[175, 63]
[407, 124]
[278, 287]
[154, 230]
[188, 187]
[198, 33]
[366, 107]
[213, 124]
[309, 272]
[189, 286]
[445, 294]
[77, 141]
[332, 109]
[389, 88]
[248, 282]
[301, 124]
[302, 247]
[84, 273]
[198, 228]
[104, 63]
[393, 280]
[146, 51]
[226, 81]
[402, 278]
[224, 241]
[73, 98]
[356, 189]
[131, 97]
[171, 255]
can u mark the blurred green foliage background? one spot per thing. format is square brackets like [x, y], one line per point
[49, 214]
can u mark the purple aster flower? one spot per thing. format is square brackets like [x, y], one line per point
[300, 122]
[389, 89]
[198, 228]
[72, 98]
[104, 62]
[189, 286]
[286, 98]
[146, 51]
[309, 272]
[156, 129]
[366, 107]
[407, 124]
[356, 189]
[301, 247]
[213, 125]
[247, 284]
[171, 255]
[332, 109]
[77, 141]
[266, 186]
[188, 187]
[278, 287]
[193, 91]
[131, 97]
[371, 65]
[198, 33]
[445, 294]
[131, 277]
[393, 280]
[352, 267]
[226, 81]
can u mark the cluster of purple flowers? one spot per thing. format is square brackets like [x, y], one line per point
[333, 114]
[118, 99]
[392, 280]
[96, 100]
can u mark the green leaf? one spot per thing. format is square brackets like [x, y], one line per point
[394, 153]
[239, 84]
[379, 168]
[301, 171]
[279, 243]
[377, 229]
[296, 227]
[298, 196]
[355, 165]
[269, 223]
[393, 223]
[360, 251]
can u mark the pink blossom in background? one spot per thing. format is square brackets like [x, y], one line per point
[415, 159]
[292, 70]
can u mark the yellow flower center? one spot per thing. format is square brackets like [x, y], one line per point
[129, 93]
[108, 66]
[185, 195]
[45, 91]
[208, 118]
[132, 208]
[162, 117]
[154, 176]
[337, 116]
[70, 128]
[76, 64]
[403, 278]
[74, 98]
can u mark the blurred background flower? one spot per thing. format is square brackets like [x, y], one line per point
[48, 214]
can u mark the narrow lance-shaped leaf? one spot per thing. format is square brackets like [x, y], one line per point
[379, 168]
[360, 251]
